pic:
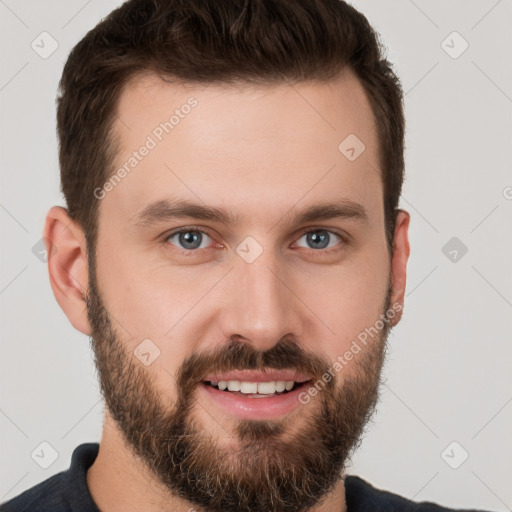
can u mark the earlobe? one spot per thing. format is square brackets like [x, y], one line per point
[401, 251]
[67, 265]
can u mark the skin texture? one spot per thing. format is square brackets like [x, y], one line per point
[263, 153]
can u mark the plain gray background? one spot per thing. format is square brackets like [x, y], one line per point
[448, 375]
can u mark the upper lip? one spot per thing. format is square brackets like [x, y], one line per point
[258, 376]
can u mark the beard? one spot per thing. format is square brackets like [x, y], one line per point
[289, 465]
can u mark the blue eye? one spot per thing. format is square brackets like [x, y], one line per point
[320, 239]
[190, 239]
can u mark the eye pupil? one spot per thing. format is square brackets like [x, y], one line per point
[319, 239]
[190, 239]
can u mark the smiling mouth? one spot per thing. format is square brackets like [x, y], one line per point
[256, 389]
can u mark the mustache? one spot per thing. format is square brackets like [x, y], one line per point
[237, 355]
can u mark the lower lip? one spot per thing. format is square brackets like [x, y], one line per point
[254, 408]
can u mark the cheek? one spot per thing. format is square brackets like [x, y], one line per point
[151, 298]
[347, 301]
[149, 312]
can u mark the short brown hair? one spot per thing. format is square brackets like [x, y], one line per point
[213, 41]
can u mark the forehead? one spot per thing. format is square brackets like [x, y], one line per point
[252, 148]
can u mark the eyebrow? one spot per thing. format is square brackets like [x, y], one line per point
[166, 210]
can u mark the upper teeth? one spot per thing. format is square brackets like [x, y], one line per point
[263, 388]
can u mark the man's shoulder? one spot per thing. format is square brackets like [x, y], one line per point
[363, 497]
[63, 492]
[46, 495]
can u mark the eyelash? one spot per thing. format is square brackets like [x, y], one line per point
[191, 252]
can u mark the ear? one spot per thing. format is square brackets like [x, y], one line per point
[401, 252]
[67, 265]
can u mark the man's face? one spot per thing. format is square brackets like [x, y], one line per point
[267, 292]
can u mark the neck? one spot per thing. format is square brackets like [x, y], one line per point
[118, 481]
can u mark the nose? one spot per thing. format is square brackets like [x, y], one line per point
[261, 307]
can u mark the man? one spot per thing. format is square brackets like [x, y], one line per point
[232, 244]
